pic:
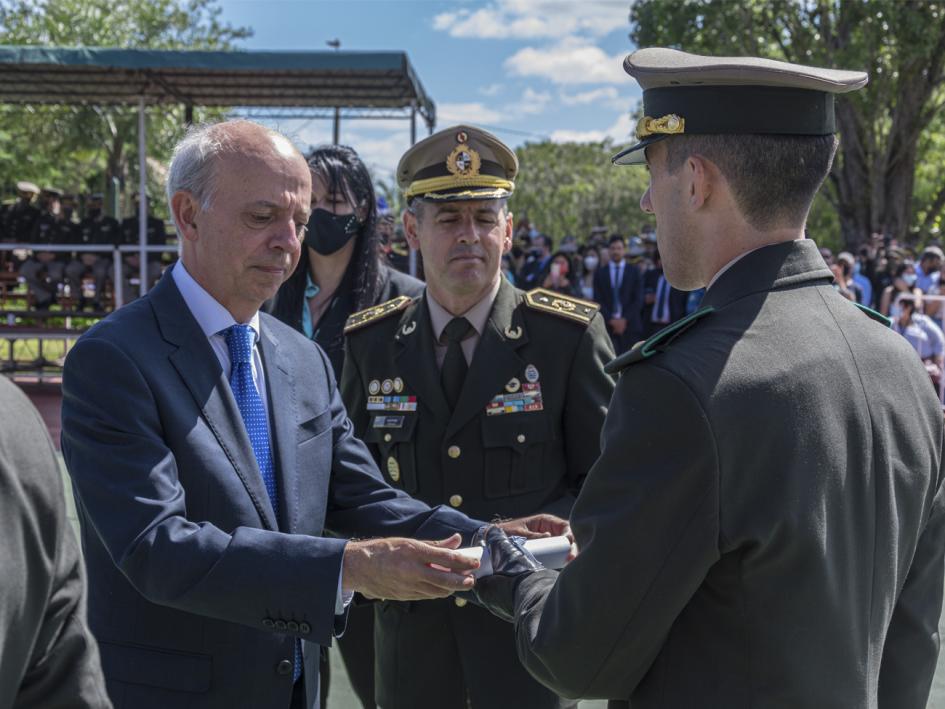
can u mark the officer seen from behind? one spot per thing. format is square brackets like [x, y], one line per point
[765, 526]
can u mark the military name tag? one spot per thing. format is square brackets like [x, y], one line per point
[392, 403]
[388, 422]
[528, 398]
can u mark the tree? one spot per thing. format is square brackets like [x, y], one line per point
[569, 188]
[86, 146]
[887, 130]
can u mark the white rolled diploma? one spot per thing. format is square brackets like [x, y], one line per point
[552, 552]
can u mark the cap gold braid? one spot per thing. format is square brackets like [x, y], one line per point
[445, 182]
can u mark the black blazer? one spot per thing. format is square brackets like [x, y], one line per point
[630, 295]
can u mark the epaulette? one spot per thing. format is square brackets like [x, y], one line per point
[377, 312]
[878, 317]
[566, 306]
[657, 343]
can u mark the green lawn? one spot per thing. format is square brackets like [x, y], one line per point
[341, 696]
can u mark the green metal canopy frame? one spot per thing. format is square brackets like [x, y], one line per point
[324, 84]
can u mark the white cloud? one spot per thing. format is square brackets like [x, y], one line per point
[491, 89]
[535, 19]
[473, 112]
[531, 103]
[571, 61]
[606, 93]
[620, 132]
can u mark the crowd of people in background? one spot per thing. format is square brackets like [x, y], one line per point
[623, 274]
[84, 278]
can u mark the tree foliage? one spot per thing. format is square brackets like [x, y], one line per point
[569, 188]
[82, 147]
[884, 178]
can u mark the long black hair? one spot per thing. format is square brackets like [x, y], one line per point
[343, 171]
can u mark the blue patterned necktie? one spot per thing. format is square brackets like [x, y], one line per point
[240, 340]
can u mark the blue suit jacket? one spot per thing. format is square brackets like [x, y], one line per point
[196, 590]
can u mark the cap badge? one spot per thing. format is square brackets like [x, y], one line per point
[670, 124]
[463, 161]
[461, 137]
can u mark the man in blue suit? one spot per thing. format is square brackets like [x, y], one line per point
[618, 287]
[209, 449]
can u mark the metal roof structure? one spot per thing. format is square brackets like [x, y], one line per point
[362, 82]
[325, 84]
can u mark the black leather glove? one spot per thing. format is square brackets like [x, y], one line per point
[510, 561]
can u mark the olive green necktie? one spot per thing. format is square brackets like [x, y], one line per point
[454, 364]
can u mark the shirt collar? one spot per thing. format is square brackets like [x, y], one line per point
[477, 315]
[210, 315]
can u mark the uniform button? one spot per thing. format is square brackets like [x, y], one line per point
[454, 452]
[268, 624]
[284, 667]
[280, 625]
[293, 626]
[305, 628]
[460, 602]
[456, 500]
[387, 438]
[520, 438]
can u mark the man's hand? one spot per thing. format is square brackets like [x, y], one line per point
[406, 569]
[538, 526]
[618, 325]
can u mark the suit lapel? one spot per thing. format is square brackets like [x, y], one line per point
[283, 415]
[416, 360]
[197, 365]
[495, 361]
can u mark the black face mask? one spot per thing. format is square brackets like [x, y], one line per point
[93, 212]
[327, 232]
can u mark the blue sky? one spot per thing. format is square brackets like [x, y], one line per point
[525, 69]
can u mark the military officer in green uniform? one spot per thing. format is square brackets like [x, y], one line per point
[476, 395]
[765, 526]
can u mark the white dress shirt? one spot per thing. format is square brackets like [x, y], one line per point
[213, 320]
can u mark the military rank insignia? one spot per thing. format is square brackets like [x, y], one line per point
[518, 396]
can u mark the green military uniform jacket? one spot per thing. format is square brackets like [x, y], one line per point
[479, 458]
[765, 525]
[524, 434]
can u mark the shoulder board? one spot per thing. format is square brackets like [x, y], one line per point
[658, 342]
[378, 312]
[566, 306]
[878, 317]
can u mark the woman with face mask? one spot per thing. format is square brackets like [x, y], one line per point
[340, 272]
[589, 264]
[903, 283]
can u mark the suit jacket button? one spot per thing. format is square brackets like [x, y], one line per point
[305, 628]
[280, 625]
[454, 452]
[268, 624]
[293, 626]
[456, 500]
[460, 602]
[284, 667]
